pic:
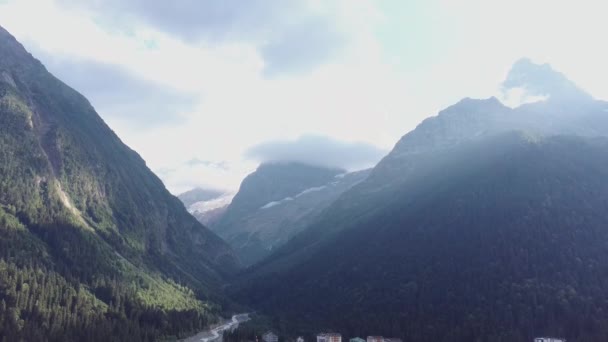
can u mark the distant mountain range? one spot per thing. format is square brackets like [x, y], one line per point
[92, 245]
[206, 205]
[276, 202]
[485, 223]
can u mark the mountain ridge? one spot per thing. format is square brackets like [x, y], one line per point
[271, 205]
[428, 246]
[471, 119]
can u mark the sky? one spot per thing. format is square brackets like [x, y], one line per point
[205, 90]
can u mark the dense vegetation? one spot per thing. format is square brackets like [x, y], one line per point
[500, 240]
[92, 246]
[41, 305]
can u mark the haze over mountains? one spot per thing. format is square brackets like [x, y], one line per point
[484, 223]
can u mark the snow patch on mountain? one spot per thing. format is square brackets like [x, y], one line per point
[313, 189]
[202, 207]
[518, 96]
[286, 199]
[275, 203]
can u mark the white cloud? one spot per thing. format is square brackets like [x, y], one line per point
[184, 176]
[515, 97]
[361, 93]
[318, 150]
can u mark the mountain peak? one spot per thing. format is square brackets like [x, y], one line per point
[4, 32]
[541, 80]
[15, 59]
[468, 104]
[9, 43]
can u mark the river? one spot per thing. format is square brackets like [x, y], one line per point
[215, 334]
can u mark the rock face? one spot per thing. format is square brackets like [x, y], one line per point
[276, 202]
[81, 206]
[484, 223]
[542, 80]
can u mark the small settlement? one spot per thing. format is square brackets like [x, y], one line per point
[335, 337]
[325, 337]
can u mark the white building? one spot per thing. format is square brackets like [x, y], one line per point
[270, 337]
[549, 339]
[329, 338]
[375, 339]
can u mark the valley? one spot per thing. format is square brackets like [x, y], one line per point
[296, 178]
[215, 333]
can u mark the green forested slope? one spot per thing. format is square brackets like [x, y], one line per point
[93, 245]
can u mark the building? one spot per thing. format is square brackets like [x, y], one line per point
[300, 339]
[549, 339]
[393, 339]
[357, 339]
[329, 337]
[375, 339]
[270, 337]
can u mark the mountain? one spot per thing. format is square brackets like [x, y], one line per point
[207, 206]
[92, 245]
[277, 201]
[468, 120]
[485, 223]
[541, 80]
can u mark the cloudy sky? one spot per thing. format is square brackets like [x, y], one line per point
[206, 89]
